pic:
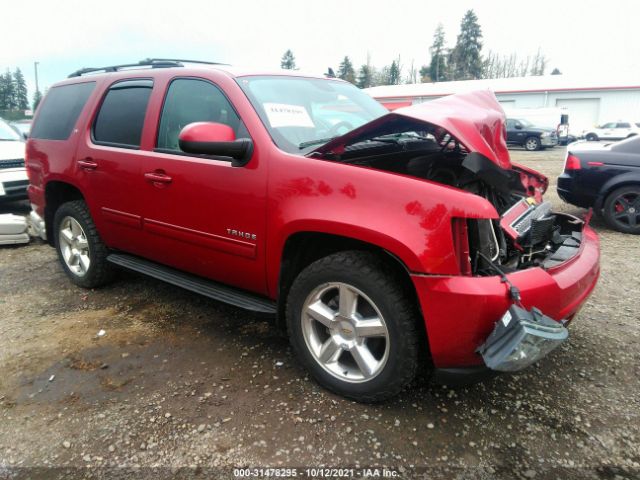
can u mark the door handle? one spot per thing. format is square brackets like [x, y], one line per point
[87, 164]
[158, 177]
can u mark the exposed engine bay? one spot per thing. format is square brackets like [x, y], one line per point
[527, 234]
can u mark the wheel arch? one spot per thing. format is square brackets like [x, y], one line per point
[614, 183]
[56, 193]
[305, 247]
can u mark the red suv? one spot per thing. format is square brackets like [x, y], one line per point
[385, 242]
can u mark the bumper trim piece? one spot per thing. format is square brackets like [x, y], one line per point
[36, 226]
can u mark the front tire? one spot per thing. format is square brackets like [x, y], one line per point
[591, 137]
[532, 144]
[622, 209]
[354, 327]
[81, 252]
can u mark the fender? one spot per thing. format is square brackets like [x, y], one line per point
[406, 216]
[616, 182]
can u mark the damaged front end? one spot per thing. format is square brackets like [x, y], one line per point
[459, 141]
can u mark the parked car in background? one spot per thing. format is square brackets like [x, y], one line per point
[607, 178]
[612, 131]
[384, 250]
[556, 118]
[13, 176]
[524, 133]
[23, 127]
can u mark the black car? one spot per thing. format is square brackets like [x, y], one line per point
[526, 134]
[607, 178]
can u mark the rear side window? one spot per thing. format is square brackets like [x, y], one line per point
[624, 125]
[120, 120]
[60, 111]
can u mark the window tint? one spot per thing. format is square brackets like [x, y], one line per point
[609, 125]
[190, 100]
[121, 116]
[624, 125]
[60, 110]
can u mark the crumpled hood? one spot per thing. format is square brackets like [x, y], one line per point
[475, 119]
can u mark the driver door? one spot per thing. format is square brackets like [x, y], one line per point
[203, 215]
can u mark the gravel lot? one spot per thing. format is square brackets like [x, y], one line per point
[181, 386]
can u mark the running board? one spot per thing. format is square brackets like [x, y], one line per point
[196, 284]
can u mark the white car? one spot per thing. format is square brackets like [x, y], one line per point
[612, 131]
[13, 175]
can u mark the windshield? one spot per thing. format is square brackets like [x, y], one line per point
[7, 133]
[525, 123]
[302, 113]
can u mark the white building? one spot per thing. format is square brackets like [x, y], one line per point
[589, 101]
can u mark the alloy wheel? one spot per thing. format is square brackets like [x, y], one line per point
[74, 246]
[626, 209]
[345, 332]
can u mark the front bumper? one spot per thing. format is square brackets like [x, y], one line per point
[461, 312]
[548, 141]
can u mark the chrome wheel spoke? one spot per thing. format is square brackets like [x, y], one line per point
[322, 313]
[66, 236]
[82, 243]
[83, 262]
[330, 351]
[348, 301]
[370, 327]
[367, 363]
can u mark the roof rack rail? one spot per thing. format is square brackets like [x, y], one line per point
[147, 62]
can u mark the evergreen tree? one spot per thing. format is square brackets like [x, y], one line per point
[7, 91]
[394, 73]
[37, 97]
[366, 76]
[425, 74]
[556, 72]
[288, 61]
[465, 58]
[21, 98]
[438, 65]
[346, 70]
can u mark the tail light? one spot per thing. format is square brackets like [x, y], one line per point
[461, 244]
[572, 163]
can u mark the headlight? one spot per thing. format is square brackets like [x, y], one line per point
[520, 338]
[544, 134]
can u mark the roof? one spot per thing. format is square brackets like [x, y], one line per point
[154, 65]
[546, 83]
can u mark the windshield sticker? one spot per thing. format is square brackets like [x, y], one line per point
[283, 115]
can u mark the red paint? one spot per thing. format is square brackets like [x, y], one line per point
[391, 106]
[187, 221]
[207, 132]
[572, 163]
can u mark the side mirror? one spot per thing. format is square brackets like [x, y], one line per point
[518, 126]
[211, 138]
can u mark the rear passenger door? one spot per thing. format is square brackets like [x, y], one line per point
[206, 217]
[109, 162]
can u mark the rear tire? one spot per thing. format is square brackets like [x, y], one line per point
[532, 144]
[364, 349]
[81, 251]
[622, 209]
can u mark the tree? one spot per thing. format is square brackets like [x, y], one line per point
[346, 70]
[425, 75]
[288, 61]
[21, 98]
[465, 58]
[394, 73]
[539, 64]
[366, 76]
[556, 72]
[37, 97]
[438, 65]
[7, 91]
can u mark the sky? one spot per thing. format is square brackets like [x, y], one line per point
[588, 37]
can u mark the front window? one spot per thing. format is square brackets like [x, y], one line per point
[302, 113]
[525, 123]
[8, 134]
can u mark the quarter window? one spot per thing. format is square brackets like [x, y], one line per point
[60, 110]
[190, 100]
[121, 116]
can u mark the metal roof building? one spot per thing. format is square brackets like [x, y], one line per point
[589, 101]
